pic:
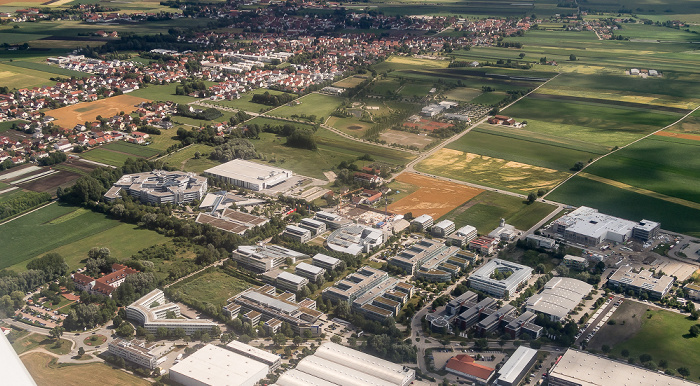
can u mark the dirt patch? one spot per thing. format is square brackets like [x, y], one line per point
[628, 321]
[51, 182]
[72, 115]
[434, 197]
[355, 127]
[694, 137]
[406, 139]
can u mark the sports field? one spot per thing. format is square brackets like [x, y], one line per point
[212, 287]
[69, 230]
[485, 211]
[433, 197]
[70, 116]
[490, 171]
[46, 372]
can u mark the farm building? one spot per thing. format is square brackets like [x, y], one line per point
[249, 175]
[106, 284]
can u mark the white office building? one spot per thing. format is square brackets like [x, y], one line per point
[249, 175]
[151, 313]
[443, 229]
[499, 278]
[216, 366]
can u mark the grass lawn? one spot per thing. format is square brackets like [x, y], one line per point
[164, 141]
[48, 228]
[45, 371]
[245, 102]
[312, 104]
[489, 98]
[213, 287]
[95, 340]
[462, 94]
[385, 86]
[32, 341]
[400, 190]
[630, 205]
[485, 211]
[75, 253]
[17, 77]
[184, 159]
[131, 148]
[163, 93]
[107, 157]
[415, 89]
[43, 67]
[664, 335]
[534, 152]
[351, 126]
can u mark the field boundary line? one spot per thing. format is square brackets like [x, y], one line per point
[646, 192]
[176, 151]
[26, 213]
[622, 147]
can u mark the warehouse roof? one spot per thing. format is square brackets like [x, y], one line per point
[515, 365]
[214, 365]
[559, 297]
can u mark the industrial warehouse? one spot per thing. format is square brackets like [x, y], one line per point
[249, 175]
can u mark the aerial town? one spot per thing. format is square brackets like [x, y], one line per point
[259, 192]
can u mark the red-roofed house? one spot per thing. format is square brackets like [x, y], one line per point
[464, 366]
[107, 283]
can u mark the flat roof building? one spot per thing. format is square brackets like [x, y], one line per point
[575, 262]
[311, 272]
[216, 366]
[148, 355]
[333, 364]
[231, 220]
[272, 360]
[150, 312]
[264, 258]
[462, 236]
[290, 282]
[645, 281]
[443, 229]
[540, 241]
[297, 234]
[578, 368]
[586, 226]
[249, 175]
[422, 222]
[499, 277]
[325, 261]
[430, 260]
[355, 239]
[559, 297]
[516, 367]
[316, 227]
[332, 220]
[159, 187]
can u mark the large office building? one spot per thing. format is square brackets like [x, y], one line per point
[334, 365]
[316, 227]
[263, 258]
[332, 220]
[249, 175]
[290, 282]
[272, 360]
[642, 281]
[274, 307]
[430, 260]
[559, 297]
[499, 277]
[443, 229]
[516, 367]
[462, 236]
[311, 272]
[422, 223]
[355, 239]
[540, 241]
[586, 226]
[325, 261]
[151, 311]
[578, 368]
[216, 366]
[297, 233]
[148, 355]
[372, 292]
[159, 187]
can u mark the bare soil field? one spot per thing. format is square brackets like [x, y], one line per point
[70, 116]
[405, 138]
[628, 320]
[694, 137]
[434, 197]
[51, 182]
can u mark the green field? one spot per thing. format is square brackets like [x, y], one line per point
[75, 253]
[661, 164]
[664, 335]
[131, 148]
[533, 151]
[34, 341]
[485, 211]
[213, 287]
[462, 94]
[385, 86]
[17, 77]
[45, 235]
[106, 156]
[414, 89]
[313, 104]
[45, 371]
[489, 98]
[184, 159]
[47, 68]
[626, 204]
[162, 93]
[245, 103]
[164, 141]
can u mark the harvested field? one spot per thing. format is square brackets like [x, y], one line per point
[428, 125]
[45, 371]
[72, 115]
[350, 82]
[693, 137]
[51, 182]
[434, 197]
[406, 139]
[491, 171]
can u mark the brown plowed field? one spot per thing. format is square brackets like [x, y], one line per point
[70, 116]
[694, 137]
[434, 197]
